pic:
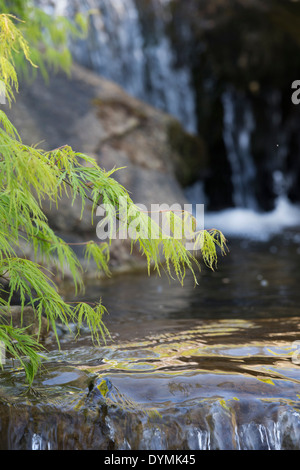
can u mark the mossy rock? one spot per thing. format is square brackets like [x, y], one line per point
[26, 319]
[189, 155]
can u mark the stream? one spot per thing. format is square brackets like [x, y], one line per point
[212, 366]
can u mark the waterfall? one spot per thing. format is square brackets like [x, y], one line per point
[246, 220]
[238, 126]
[119, 49]
[128, 43]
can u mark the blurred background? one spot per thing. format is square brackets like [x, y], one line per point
[225, 70]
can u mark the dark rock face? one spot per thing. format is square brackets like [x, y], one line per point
[251, 49]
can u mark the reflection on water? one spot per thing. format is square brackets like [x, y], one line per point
[213, 366]
[253, 280]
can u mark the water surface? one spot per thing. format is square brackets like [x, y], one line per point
[212, 366]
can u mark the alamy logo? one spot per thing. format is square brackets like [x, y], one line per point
[163, 221]
[296, 94]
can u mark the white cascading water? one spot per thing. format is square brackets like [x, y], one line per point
[116, 48]
[250, 224]
[245, 220]
[238, 125]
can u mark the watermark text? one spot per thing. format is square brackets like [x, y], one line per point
[162, 221]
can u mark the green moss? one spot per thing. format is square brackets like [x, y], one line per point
[190, 156]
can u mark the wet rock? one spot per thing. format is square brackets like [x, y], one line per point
[26, 318]
[194, 384]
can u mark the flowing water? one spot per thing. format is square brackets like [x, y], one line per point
[213, 366]
[123, 46]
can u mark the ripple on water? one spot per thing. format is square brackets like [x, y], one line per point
[215, 368]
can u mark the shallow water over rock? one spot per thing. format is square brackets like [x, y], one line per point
[214, 366]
